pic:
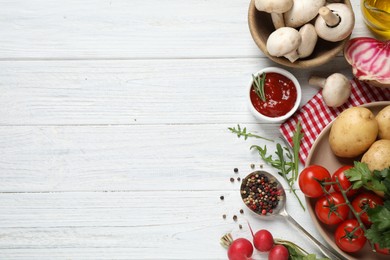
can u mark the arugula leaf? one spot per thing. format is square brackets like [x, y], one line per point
[242, 132]
[284, 166]
[297, 137]
[296, 252]
[286, 161]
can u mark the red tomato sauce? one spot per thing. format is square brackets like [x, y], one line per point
[280, 94]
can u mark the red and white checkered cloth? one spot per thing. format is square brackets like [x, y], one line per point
[315, 115]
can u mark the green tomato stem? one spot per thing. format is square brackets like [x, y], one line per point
[356, 214]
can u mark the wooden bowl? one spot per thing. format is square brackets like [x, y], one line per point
[260, 26]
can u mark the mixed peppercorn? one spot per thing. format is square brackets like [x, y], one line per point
[260, 194]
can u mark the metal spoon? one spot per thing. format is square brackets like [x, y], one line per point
[280, 210]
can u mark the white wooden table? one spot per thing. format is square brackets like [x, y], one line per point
[113, 126]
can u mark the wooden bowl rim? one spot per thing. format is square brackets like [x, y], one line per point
[308, 63]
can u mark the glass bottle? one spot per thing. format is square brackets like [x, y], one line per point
[376, 15]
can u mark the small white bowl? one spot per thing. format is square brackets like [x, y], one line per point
[280, 119]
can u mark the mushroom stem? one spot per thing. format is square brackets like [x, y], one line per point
[277, 20]
[317, 81]
[336, 89]
[331, 19]
[292, 56]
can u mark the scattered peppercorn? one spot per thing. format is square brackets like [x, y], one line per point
[224, 216]
[232, 179]
[252, 166]
[222, 197]
[238, 179]
[235, 218]
[241, 211]
[260, 193]
[261, 166]
[240, 226]
[235, 170]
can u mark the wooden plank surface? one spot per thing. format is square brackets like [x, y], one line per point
[128, 225]
[135, 92]
[121, 29]
[113, 128]
[115, 158]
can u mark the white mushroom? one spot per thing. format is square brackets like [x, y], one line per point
[276, 8]
[335, 22]
[302, 12]
[309, 39]
[284, 42]
[336, 89]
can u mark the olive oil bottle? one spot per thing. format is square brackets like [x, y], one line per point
[376, 14]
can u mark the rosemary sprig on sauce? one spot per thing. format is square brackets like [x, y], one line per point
[258, 82]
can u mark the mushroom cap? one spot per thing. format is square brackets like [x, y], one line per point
[274, 6]
[342, 30]
[309, 40]
[283, 41]
[337, 90]
[302, 12]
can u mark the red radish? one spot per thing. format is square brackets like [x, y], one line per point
[278, 252]
[263, 240]
[239, 249]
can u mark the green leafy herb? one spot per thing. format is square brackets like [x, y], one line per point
[296, 252]
[297, 137]
[379, 232]
[361, 176]
[242, 132]
[286, 161]
[259, 82]
[283, 162]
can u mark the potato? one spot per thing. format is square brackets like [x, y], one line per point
[353, 132]
[378, 155]
[383, 118]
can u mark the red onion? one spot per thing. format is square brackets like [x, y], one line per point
[370, 60]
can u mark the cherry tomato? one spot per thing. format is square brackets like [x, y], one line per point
[331, 209]
[278, 252]
[349, 237]
[385, 251]
[364, 201]
[310, 180]
[343, 180]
